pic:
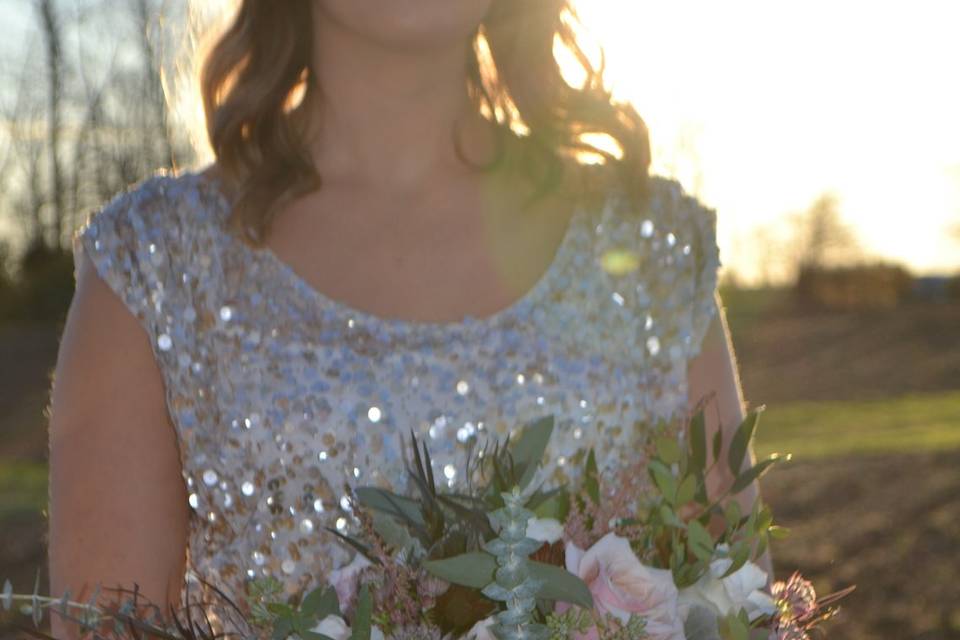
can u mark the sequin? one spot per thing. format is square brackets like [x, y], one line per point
[653, 345]
[282, 398]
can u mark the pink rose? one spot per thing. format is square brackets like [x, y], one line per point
[621, 585]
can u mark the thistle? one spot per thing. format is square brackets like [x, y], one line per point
[513, 583]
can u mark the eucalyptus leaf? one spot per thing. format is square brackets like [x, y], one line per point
[717, 444]
[476, 570]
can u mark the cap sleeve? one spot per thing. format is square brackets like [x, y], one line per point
[132, 241]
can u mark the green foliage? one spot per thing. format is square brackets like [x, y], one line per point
[514, 583]
[563, 626]
[529, 449]
[741, 441]
[477, 569]
[269, 610]
[362, 624]
[678, 470]
[734, 626]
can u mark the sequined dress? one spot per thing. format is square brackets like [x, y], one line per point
[281, 397]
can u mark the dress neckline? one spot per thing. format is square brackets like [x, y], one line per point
[353, 316]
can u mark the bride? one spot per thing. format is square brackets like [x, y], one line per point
[376, 249]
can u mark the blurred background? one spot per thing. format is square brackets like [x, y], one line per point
[826, 136]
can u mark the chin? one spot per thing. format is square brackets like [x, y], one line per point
[407, 23]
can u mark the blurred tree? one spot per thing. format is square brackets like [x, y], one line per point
[84, 115]
[820, 236]
[52, 31]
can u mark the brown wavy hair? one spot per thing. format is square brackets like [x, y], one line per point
[254, 77]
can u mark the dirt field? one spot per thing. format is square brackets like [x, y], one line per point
[889, 524]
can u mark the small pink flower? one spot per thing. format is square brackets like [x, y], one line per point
[621, 585]
[797, 594]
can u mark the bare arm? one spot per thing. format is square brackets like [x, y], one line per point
[714, 371]
[118, 505]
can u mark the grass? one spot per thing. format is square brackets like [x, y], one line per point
[908, 424]
[23, 488]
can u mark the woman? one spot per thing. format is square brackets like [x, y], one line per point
[247, 340]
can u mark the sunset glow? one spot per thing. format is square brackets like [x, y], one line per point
[758, 107]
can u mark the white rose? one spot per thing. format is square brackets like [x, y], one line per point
[336, 628]
[333, 626]
[344, 579]
[544, 529]
[481, 630]
[740, 590]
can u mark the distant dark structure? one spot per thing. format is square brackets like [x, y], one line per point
[854, 287]
[935, 288]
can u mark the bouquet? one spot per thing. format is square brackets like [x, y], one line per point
[650, 555]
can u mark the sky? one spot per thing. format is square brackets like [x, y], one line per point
[774, 102]
[758, 107]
